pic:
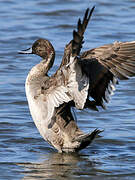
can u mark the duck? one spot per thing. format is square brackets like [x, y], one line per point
[83, 80]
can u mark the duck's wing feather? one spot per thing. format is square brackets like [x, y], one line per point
[48, 96]
[118, 57]
[78, 35]
[73, 48]
[106, 63]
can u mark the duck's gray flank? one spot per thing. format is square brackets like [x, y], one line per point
[80, 77]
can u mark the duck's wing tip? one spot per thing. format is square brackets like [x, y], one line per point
[78, 35]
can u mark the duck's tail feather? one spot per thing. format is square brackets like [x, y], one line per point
[87, 139]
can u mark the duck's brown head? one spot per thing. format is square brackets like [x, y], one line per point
[42, 48]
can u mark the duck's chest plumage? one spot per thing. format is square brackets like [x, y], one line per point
[36, 100]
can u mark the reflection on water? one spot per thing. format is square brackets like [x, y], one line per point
[23, 152]
[60, 166]
[77, 166]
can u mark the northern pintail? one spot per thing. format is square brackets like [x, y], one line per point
[92, 74]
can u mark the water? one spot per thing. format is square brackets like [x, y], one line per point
[23, 153]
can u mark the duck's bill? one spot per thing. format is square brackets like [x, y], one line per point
[27, 51]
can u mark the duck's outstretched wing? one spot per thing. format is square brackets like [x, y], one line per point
[69, 72]
[118, 57]
[104, 65]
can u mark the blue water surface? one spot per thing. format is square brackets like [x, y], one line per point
[23, 152]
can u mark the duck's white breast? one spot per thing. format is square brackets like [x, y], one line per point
[37, 109]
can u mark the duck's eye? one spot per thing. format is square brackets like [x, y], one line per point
[39, 50]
